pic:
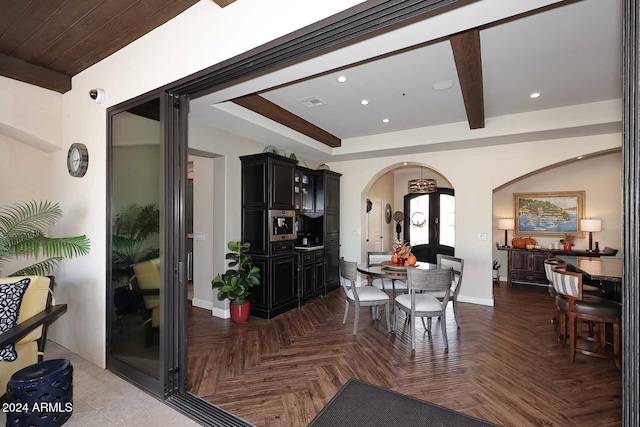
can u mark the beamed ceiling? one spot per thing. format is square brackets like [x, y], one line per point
[46, 42]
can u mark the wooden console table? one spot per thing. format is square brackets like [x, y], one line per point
[527, 265]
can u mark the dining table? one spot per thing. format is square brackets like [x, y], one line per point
[605, 272]
[391, 271]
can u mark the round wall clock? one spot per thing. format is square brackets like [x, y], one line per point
[387, 213]
[77, 160]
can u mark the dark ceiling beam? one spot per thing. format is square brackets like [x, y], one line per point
[223, 3]
[268, 109]
[466, 52]
[18, 69]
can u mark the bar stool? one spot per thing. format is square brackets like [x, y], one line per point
[594, 309]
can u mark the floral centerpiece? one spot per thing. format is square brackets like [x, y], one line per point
[401, 251]
[568, 241]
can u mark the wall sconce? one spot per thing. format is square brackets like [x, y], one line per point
[506, 224]
[591, 225]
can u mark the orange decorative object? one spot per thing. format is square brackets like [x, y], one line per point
[412, 260]
[522, 242]
[394, 258]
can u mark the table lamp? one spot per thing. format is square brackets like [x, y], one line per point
[506, 224]
[591, 225]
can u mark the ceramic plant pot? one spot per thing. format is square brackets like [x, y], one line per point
[239, 312]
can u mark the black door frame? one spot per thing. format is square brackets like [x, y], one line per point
[171, 250]
[374, 16]
[433, 247]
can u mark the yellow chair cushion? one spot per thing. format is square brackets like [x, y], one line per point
[148, 276]
[33, 302]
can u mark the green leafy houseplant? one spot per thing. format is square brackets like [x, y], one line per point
[235, 284]
[133, 227]
[22, 234]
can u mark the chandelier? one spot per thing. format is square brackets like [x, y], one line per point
[422, 185]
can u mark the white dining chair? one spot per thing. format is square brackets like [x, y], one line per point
[359, 295]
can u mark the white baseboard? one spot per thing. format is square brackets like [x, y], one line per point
[218, 312]
[480, 301]
[201, 303]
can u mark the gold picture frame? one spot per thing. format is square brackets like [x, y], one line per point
[548, 214]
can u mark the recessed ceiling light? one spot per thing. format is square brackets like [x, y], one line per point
[364, 102]
[534, 95]
[443, 85]
[385, 120]
[405, 164]
[341, 79]
[579, 157]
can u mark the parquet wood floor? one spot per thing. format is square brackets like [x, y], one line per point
[504, 365]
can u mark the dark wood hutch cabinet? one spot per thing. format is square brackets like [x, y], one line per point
[267, 183]
[289, 276]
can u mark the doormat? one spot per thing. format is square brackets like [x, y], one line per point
[359, 404]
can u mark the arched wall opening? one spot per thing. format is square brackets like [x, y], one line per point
[597, 174]
[390, 186]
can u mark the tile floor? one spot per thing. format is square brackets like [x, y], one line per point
[101, 398]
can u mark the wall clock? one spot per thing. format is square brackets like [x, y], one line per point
[77, 160]
[387, 213]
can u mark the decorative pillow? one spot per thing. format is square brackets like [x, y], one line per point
[10, 300]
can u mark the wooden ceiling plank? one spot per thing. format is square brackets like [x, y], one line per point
[141, 28]
[11, 11]
[55, 28]
[18, 69]
[31, 19]
[88, 25]
[268, 109]
[466, 52]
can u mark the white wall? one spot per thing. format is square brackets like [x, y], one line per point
[225, 219]
[599, 177]
[24, 173]
[474, 173]
[31, 114]
[203, 220]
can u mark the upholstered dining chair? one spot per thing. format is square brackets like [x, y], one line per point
[456, 265]
[579, 306]
[359, 295]
[387, 285]
[418, 303]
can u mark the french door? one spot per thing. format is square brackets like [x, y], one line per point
[146, 288]
[429, 223]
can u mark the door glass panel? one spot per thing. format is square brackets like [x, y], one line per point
[447, 220]
[136, 251]
[419, 220]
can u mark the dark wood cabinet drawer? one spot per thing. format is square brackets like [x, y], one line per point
[319, 255]
[307, 257]
[280, 247]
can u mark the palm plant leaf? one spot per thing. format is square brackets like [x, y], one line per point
[41, 268]
[66, 247]
[27, 218]
[22, 233]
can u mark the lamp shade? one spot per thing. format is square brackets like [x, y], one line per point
[506, 224]
[590, 225]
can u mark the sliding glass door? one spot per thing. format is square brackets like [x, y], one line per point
[145, 253]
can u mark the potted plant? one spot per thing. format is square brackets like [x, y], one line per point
[236, 283]
[23, 229]
[568, 241]
[496, 270]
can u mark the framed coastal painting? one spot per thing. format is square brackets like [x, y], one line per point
[548, 214]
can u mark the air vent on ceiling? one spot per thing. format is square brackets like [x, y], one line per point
[311, 101]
